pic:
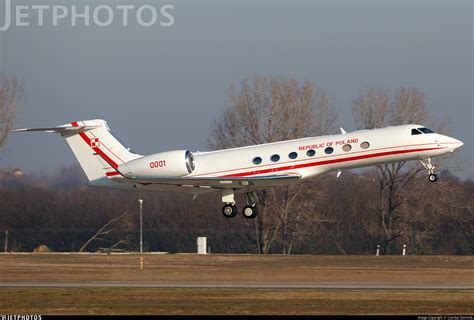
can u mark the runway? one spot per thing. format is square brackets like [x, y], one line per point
[243, 285]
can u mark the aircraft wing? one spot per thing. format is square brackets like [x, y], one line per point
[221, 182]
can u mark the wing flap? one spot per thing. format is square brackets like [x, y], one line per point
[222, 182]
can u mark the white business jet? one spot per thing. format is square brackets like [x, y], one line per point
[109, 163]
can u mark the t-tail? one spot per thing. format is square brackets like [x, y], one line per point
[97, 149]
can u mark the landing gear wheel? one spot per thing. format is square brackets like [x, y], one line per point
[229, 210]
[249, 212]
[428, 165]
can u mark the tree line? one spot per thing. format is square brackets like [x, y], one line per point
[389, 205]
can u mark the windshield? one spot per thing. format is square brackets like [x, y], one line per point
[425, 130]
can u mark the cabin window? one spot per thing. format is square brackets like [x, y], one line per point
[425, 130]
[415, 131]
[275, 158]
[257, 160]
[347, 147]
[293, 155]
[329, 150]
[310, 153]
[365, 145]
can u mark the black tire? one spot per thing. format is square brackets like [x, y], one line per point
[433, 178]
[249, 212]
[229, 211]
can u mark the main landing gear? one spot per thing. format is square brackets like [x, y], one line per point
[430, 167]
[229, 210]
[250, 211]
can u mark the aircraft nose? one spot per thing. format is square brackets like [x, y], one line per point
[455, 143]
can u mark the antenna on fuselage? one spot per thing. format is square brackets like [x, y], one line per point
[342, 130]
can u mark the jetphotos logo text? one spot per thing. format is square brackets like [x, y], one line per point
[101, 15]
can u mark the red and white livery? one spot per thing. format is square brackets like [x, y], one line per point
[107, 162]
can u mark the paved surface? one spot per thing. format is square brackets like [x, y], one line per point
[243, 285]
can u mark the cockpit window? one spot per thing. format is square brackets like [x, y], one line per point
[415, 131]
[425, 130]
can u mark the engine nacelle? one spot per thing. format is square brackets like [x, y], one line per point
[164, 164]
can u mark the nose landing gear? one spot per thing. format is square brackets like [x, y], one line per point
[430, 167]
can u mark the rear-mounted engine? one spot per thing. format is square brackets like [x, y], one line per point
[177, 163]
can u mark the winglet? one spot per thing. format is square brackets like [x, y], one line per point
[342, 130]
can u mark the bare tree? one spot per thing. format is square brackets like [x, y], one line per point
[337, 219]
[9, 91]
[8, 98]
[108, 228]
[371, 109]
[377, 108]
[266, 110]
[294, 208]
[5, 246]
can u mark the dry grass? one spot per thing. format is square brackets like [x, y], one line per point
[230, 301]
[239, 268]
[234, 268]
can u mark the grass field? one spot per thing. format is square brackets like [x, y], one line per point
[230, 301]
[234, 268]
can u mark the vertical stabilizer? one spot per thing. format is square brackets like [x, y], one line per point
[98, 151]
[96, 148]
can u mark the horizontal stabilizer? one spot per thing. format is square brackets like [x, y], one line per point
[60, 129]
[98, 151]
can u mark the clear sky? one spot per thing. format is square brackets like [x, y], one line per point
[160, 87]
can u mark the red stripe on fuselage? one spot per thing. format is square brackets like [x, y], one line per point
[324, 162]
[308, 159]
